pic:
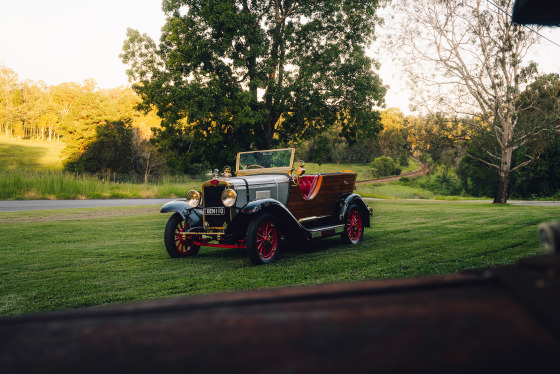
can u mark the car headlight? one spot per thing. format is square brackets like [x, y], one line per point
[193, 198]
[229, 197]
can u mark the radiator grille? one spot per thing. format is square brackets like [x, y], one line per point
[213, 198]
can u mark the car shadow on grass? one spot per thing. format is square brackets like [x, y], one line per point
[287, 250]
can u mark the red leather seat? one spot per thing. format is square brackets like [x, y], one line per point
[307, 185]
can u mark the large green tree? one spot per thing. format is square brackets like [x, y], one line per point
[257, 72]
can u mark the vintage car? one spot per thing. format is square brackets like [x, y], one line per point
[267, 201]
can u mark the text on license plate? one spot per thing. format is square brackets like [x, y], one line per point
[214, 211]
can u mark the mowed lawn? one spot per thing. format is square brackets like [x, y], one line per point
[62, 259]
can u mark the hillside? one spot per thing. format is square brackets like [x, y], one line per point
[29, 155]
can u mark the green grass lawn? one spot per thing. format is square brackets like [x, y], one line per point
[30, 155]
[62, 259]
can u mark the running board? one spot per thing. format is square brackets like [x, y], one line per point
[326, 231]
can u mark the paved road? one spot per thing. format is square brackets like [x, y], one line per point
[512, 202]
[17, 205]
[534, 203]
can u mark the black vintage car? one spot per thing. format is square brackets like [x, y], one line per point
[267, 200]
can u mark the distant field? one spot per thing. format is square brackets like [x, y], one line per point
[311, 168]
[29, 155]
[63, 259]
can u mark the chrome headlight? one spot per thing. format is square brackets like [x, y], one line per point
[193, 198]
[229, 197]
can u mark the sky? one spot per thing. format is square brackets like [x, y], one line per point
[60, 41]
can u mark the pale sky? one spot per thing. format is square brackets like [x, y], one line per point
[58, 41]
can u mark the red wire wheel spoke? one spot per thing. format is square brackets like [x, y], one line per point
[180, 243]
[263, 239]
[354, 225]
[175, 243]
[267, 240]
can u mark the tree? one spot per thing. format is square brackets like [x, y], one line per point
[540, 108]
[49, 121]
[439, 137]
[474, 59]
[248, 73]
[393, 140]
[8, 85]
[110, 150]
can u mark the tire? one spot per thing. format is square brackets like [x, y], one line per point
[174, 243]
[353, 226]
[263, 239]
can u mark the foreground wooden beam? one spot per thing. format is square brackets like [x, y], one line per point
[494, 320]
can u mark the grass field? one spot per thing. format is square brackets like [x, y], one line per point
[29, 155]
[362, 170]
[62, 259]
[395, 190]
[16, 185]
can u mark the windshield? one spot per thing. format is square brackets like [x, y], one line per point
[272, 161]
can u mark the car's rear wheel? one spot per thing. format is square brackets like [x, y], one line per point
[353, 226]
[175, 244]
[263, 239]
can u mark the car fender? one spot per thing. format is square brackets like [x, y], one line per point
[344, 202]
[289, 225]
[192, 216]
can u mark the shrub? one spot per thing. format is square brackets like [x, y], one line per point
[403, 160]
[383, 166]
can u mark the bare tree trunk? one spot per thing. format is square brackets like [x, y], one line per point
[502, 190]
[147, 171]
[504, 176]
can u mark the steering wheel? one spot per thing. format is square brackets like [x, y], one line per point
[255, 167]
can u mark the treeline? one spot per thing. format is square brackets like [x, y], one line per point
[102, 129]
[394, 141]
[105, 132]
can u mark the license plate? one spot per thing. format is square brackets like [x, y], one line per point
[214, 211]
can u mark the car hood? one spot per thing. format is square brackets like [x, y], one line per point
[254, 180]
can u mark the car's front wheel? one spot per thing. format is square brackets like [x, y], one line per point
[263, 239]
[353, 226]
[175, 244]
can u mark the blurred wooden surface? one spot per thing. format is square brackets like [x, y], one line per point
[495, 320]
